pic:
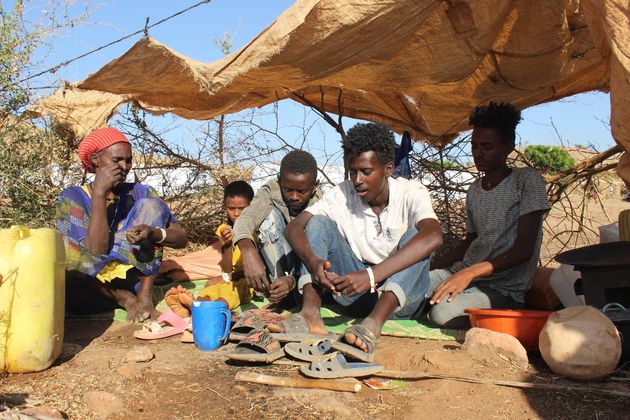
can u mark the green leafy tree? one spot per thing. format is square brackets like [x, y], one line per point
[549, 159]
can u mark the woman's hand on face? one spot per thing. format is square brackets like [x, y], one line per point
[107, 177]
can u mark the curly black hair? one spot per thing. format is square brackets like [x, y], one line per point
[238, 189]
[503, 117]
[299, 162]
[368, 137]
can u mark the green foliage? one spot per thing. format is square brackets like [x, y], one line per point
[36, 159]
[435, 165]
[549, 159]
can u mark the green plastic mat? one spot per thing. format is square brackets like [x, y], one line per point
[334, 320]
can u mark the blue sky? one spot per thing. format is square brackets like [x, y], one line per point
[581, 119]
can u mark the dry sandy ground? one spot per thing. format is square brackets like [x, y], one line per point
[183, 382]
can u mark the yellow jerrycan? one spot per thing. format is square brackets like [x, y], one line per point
[32, 298]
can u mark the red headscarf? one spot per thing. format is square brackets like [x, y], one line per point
[97, 141]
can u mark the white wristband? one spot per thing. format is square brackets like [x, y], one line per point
[163, 235]
[226, 277]
[372, 282]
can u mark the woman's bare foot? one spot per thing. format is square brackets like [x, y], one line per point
[355, 341]
[138, 308]
[174, 303]
[146, 303]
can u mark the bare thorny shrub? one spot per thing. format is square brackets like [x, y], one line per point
[447, 174]
[36, 163]
[576, 197]
[194, 171]
[38, 160]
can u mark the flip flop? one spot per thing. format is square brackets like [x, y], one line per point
[308, 351]
[167, 325]
[244, 325]
[366, 335]
[335, 366]
[257, 346]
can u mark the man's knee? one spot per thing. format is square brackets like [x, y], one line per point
[447, 313]
[319, 223]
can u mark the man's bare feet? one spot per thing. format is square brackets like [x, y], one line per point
[355, 341]
[313, 321]
[173, 302]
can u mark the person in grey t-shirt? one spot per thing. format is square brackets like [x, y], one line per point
[493, 266]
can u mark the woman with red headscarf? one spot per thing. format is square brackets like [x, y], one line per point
[114, 232]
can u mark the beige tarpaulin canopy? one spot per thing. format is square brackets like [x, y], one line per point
[417, 65]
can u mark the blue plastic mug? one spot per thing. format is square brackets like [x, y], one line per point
[211, 324]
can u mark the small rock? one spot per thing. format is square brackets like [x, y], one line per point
[129, 371]
[103, 404]
[43, 411]
[490, 346]
[139, 354]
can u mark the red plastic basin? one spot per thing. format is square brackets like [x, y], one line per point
[525, 325]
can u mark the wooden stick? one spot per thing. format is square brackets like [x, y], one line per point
[347, 385]
[397, 374]
[514, 384]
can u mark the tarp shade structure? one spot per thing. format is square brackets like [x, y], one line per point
[419, 66]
